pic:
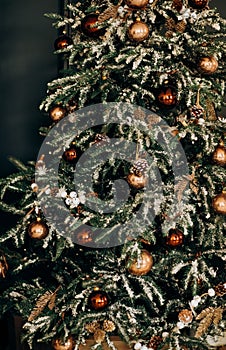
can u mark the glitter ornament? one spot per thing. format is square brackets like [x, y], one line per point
[89, 26]
[62, 42]
[219, 155]
[185, 316]
[175, 238]
[219, 203]
[136, 181]
[98, 300]
[198, 4]
[70, 155]
[142, 265]
[167, 96]
[59, 344]
[137, 4]
[138, 31]
[57, 113]
[207, 65]
[3, 266]
[38, 229]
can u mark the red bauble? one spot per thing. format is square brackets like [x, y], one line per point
[62, 42]
[70, 155]
[89, 26]
[198, 4]
[167, 96]
[98, 300]
[175, 238]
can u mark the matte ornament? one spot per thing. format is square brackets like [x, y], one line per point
[138, 31]
[137, 181]
[198, 4]
[219, 155]
[175, 238]
[137, 4]
[62, 42]
[89, 26]
[59, 344]
[219, 203]
[167, 96]
[98, 300]
[3, 266]
[38, 229]
[57, 113]
[70, 155]
[207, 65]
[142, 266]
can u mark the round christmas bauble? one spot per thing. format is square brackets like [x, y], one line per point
[219, 155]
[62, 42]
[89, 26]
[138, 31]
[219, 203]
[3, 266]
[198, 4]
[142, 266]
[175, 238]
[84, 237]
[70, 155]
[137, 181]
[207, 65]
[38, 229]
[167, 96]
[57, 113]
[136, 4]
[59, 344]
[98, 300]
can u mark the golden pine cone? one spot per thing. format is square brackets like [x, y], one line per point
[99, 336]
[181, 26]
[92, 327]
[185, 316]
[170, 24]
[154, 342]
[108, 326]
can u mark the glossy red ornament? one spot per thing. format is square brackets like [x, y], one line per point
[198, 4]
[70, 155]
[62, 42]
[89, 26]
[98, 300]
[175, 238]
[167, 96]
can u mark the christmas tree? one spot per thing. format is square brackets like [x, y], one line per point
[122, 215]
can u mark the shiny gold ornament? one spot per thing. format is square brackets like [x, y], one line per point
[38, 229]
[198, 4]
[219, 155]
[3, 266]
[167, 96]
[62, 42]
[185, 316]
[219, 203]
[57, 113]
[59, 344]
[207, 65]
[98, 300]
[138, 31]
[142, 265]
[137, 4]
[137, 181]
[84, 237]
[175, 238]
[70, 155]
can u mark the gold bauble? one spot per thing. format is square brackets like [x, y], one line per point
[57, 113]
[175, 238]
[137, 181]
[59, 344]
[219, 203]
[84, 237]
[38, 229]
[138, 31]
[143, 265]
[136, 4]
[219, 155]
[207, 65]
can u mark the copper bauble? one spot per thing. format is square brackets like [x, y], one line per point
[84, 237]
[70, 155]
[89, 26]
[207, 64]
[219, 155]
[175, 238]
[167, 96]
[3, 266]
[59, 344]
[138, 31]
[198, 4]
[57, 113]
[136, 4]
[62, 42]
[38, 229]
[142, 266]
[98, 300]
[219, 203]
[137, 181]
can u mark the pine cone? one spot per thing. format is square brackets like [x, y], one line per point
[181, 26]
[92, 327]
[154, 342]
[108, 326]
[99, 336]
[170, 24]
[220, 289]
[139, 166]
[196, 111]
